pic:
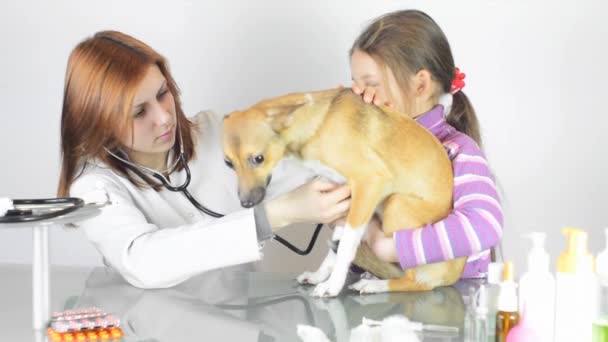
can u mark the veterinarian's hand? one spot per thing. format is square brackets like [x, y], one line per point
[370, 95]
[384, 247]
[318, 201]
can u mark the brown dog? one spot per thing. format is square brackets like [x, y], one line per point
[390, 162]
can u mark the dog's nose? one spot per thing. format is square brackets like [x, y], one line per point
[247, 204]
[253, 198]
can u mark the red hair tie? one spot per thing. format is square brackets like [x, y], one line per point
[458, 82]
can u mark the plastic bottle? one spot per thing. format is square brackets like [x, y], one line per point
[602, 262]
[507, 316]
[495, 270]
[481, 315]
[537, 289]
[469, 317]
[523, 332]
[600, 325]
[576, 299]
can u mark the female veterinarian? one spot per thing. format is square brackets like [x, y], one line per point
[403, 59]
[123, 131]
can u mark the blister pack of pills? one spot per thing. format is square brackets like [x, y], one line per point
[90, 324]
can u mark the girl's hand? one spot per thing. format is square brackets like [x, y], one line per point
[383, 246]
[371, 95]
[318, 201]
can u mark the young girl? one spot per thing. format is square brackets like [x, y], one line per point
[123, 130]
[403, 59]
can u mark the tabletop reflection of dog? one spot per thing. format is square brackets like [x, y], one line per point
[443, 306]
[392, 165]
[235, 304]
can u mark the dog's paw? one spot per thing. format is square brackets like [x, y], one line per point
[367, 286]
[367, 275]
[313, 278]
[311, 334]
[327, 289]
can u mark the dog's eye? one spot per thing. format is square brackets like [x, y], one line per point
[228, 163]
[259, 159]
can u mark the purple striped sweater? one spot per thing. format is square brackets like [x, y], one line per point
[475, 223]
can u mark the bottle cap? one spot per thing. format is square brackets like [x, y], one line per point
[507, 297]
[495, 272]
[507, 272]
[576, 258]
[538, 258]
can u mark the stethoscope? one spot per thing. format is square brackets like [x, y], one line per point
[31, 210]
[181, 159]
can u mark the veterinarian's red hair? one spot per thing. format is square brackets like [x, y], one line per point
[102, 76]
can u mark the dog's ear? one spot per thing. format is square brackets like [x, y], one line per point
[279, 110]
[281, 118]
[283, 104]
[276, 111]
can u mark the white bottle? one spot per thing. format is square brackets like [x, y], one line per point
[537, 289]
[576, 299]
[601, 263]
[601, 320]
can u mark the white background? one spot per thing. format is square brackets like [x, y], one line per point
[536, 74]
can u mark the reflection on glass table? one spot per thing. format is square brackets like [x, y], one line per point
[236, 304]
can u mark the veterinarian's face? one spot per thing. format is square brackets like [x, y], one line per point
[366, 73]
[154, 119]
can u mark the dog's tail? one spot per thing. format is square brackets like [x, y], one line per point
[367, 260]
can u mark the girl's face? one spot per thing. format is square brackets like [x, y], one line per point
[154, 121]
[366, 73]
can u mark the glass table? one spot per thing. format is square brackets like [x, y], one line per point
[238, 304]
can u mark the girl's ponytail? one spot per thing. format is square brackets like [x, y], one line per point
[462, 116]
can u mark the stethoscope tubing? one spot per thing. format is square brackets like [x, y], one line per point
[183, 188]
[26, 210]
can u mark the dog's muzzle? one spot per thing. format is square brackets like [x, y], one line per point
[253, 198]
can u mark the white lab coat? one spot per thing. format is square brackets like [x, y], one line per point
[159, 239]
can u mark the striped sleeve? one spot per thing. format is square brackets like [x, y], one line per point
[474, 225]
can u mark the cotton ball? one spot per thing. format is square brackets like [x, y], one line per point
[398, 329]
[311, 334]
[365, 333]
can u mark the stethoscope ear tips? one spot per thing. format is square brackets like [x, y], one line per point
[6, 204]
[98, 197]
